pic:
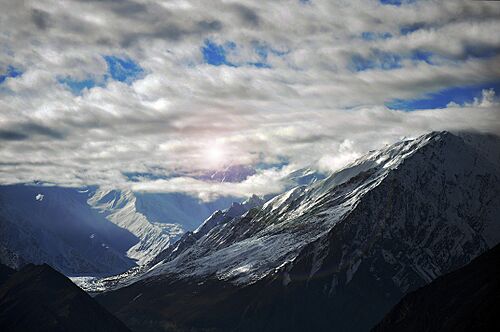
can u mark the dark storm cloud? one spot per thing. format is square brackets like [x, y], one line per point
[210, 25]
[9, 135]
[247, 15]
[123, 7]
[171, 31]
[40, 18]
[24, 131]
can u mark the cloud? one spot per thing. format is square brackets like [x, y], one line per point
[291, 93]
[269, 181]
[40, 18]
[487, 99]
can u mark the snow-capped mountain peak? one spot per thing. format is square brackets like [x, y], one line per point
[249, 248]
[354, 242]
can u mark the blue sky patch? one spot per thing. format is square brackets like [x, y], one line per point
[407, 29]
[282, 162]
[395, 2]
[459, 95]
[140, 176]
[77, 86]
[391, 2]
[259, 64]
[263, 51]
[386, 60]
[359, 63]
[10, 72]
[422, 56]
[370, 36]
[123, 69]
[216, 54]
[378, 60]
[119, 69]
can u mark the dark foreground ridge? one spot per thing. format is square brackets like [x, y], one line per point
[464, 300]
[38, 298]
[5, 273]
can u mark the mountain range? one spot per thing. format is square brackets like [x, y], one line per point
[93, 231]
[331, 253]
[337, 253]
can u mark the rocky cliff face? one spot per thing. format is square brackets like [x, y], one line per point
[466, 299]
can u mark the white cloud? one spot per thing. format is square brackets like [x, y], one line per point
[487, 99]
[303, 109]
[264, 182]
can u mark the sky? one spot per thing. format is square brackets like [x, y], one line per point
[93, 91]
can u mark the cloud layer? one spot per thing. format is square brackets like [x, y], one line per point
[93, 90]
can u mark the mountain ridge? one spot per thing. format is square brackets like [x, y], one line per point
[352, 244]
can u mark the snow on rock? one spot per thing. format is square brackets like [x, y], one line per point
[119, 208]
[247, 248]
[406, 213]
[57, 232]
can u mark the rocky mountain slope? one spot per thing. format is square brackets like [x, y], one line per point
[236, 210]
[41, 224]
[119, 207]
[466, 299]
[89, 233]
[92, 231]
[38, 298]
[337, 253]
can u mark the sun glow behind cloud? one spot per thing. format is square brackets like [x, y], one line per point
[215, 156]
